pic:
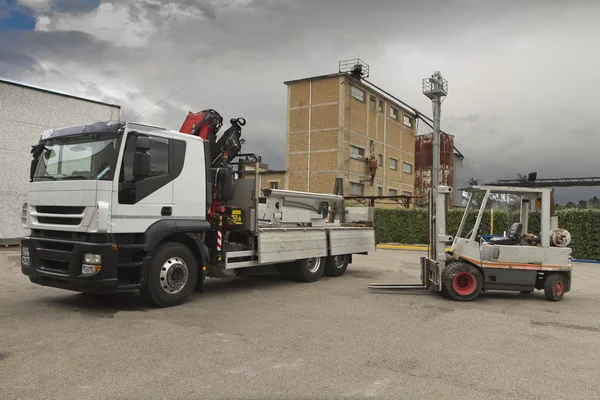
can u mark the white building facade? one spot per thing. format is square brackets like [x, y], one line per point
[25, 112]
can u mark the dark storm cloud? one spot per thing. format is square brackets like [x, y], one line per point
[16, 66]
[56, 6]
[521, 76]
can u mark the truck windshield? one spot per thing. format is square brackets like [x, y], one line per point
[87, 157]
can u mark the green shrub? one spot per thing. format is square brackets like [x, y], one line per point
[410, 226]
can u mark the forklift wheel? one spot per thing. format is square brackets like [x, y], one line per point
[462, 281]
[554, 287]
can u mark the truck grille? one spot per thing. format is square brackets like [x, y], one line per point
[59, 220]
[59, 209]
[53, 265]
[59, 215]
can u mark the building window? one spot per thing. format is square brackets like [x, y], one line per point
[380, 105]
[380, 160]
[357, 93]
[273, 185]
[393, 113]
[357, 152]
[356, 189]
[405, 193]
[407, 168]
[393, 163]
[408, 121]
[373, 101]
[393, 192]
[379, 191]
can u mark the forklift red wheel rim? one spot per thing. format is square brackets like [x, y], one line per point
[559, 287]
[464, 283]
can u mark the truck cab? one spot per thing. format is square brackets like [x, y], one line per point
[103, 187]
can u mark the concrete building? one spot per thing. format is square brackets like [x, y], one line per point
[268, 178]
[340, 127]
[25, 112]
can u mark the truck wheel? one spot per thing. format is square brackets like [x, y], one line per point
[554, 287]
[307, 270]
[462, 281]
[336, 265]
[172, 276]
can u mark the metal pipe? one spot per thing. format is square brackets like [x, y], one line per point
[256, 195]
[437, 105]
[309, 126]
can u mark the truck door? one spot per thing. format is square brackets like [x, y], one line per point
[139, 202]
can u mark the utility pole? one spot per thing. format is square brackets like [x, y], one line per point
[435, 88]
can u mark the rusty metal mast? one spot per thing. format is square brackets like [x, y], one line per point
[435, 88]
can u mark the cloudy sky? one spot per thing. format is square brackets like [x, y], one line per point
[522, 74]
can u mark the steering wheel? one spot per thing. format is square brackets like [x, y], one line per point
[480, 227]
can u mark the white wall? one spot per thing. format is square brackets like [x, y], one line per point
[24, 114]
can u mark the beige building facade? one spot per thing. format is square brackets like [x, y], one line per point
[336, 127]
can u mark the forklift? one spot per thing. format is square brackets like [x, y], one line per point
[517, 261]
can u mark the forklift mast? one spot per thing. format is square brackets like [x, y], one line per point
[434, 87]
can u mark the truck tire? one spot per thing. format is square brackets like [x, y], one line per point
[307, 270]
[462, 281]
[337, 265]
[172, 276]
[554, 287]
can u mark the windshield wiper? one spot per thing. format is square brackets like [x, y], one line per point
[45, 177]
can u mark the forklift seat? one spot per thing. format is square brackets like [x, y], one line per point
[512, 238]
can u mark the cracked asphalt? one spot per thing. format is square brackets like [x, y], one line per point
[266, 338]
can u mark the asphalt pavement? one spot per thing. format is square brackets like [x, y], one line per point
[267, 338]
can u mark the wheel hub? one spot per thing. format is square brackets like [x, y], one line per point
[559, 288]
[340, 261]
[314, 264]
[464, 283]
[173, 275]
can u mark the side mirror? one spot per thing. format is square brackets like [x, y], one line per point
[141, 159]
[143, 143]
[32, 168]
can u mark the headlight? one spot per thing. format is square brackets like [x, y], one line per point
[87, 269]
[24, 214]
[90, 258]
[25, 256]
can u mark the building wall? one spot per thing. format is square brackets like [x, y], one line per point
[313, 135]
[266, 178]
[324, 112]
[370, 125]
[24, 114]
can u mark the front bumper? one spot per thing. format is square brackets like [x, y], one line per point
[58, 263]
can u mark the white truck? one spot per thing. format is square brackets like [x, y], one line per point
[116, 206]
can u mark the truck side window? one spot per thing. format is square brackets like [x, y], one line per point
[131, 192]
[160, 156]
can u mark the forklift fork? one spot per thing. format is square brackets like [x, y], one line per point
[424, 285]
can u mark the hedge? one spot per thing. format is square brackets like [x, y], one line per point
[410, 226]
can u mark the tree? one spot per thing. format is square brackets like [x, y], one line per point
[570, 204]
[582, 204]
[477, 197]
[594, 202]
